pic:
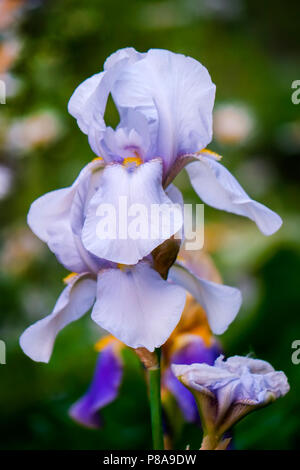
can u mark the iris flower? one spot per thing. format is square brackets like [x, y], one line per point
[165, 103]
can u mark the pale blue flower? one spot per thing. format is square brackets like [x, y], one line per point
[165, 102]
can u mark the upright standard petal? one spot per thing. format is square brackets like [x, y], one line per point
[176, 95]
[75, 300]
[128, 53]
[216, 186]
[88, 102]
[221, 303]
[82, 102]
[103, 389]
[130, 214]
[145, 310]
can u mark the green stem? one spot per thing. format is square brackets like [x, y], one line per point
[155, 405]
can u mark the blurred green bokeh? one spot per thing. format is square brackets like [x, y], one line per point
[251, 51]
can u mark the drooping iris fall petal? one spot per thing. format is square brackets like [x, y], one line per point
[216, 186]
[125, 200]
[137, 306]
[221, 303]
[57, 219]
[75, 300]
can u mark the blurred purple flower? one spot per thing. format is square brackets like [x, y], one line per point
[104, 387]
[195, 350]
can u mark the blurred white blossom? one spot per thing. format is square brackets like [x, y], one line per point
[233, 123]
[12, 84]
[33, 131]
[10, 49]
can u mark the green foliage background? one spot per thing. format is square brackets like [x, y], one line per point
[251, 50]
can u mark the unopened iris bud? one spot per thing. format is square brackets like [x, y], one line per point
[229, 390]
